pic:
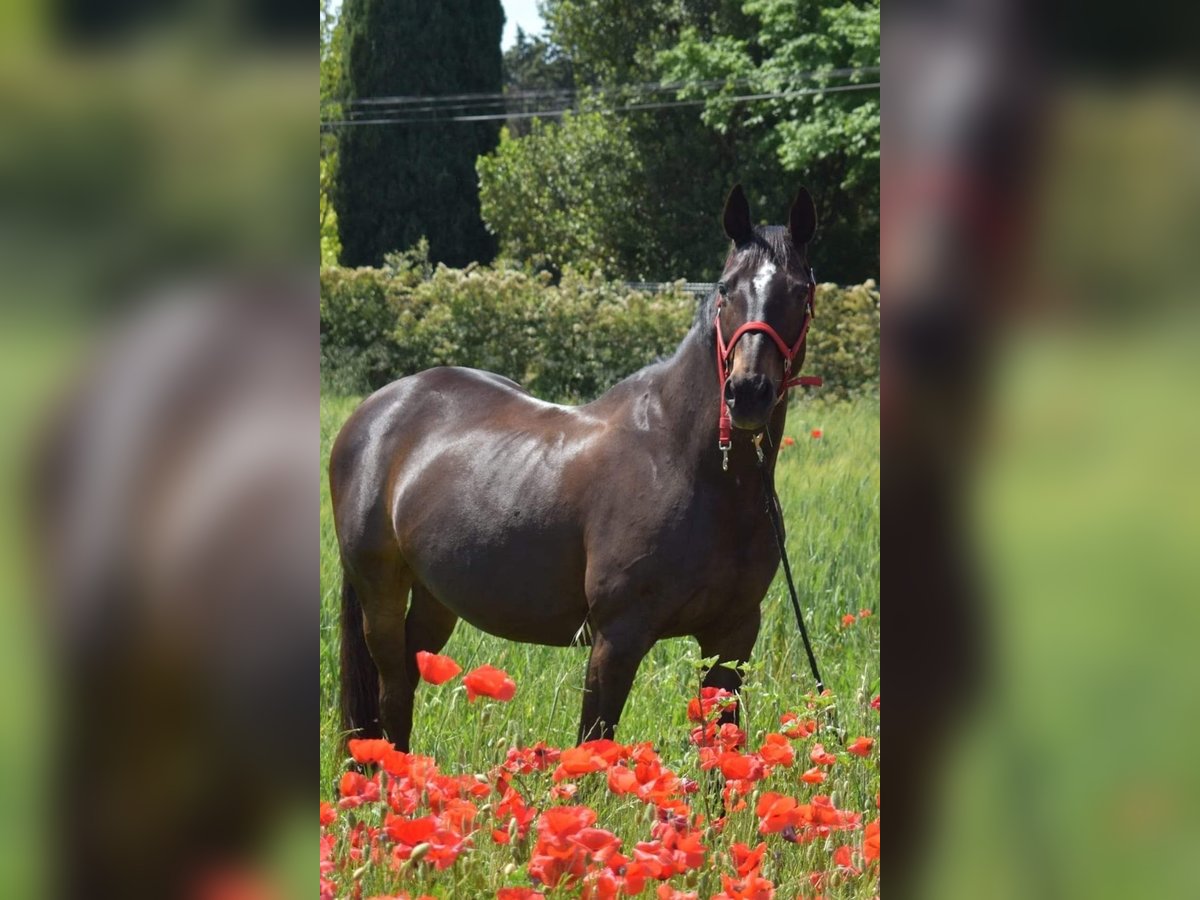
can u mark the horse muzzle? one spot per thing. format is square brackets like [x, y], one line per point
[750, 399]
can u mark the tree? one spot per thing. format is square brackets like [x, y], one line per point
[331, 65]
[397, 182]
[690, 157]
[536, 73]
[830, 140]
[567, 193]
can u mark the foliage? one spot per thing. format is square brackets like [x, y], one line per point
[565, 342]
[331, 247]
[566, 195]
[837, 568]
[831, 139]
[568, 341]
[688, 162]
[534, 66]
[843, 342]
[332, 42]
[397, 183]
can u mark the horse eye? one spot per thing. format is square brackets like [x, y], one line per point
[722, 289]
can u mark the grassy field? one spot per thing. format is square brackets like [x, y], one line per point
[829, 487]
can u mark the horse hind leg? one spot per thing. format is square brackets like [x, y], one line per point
[383, 596]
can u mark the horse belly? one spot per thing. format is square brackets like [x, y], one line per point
[499, 549]
[521, 585]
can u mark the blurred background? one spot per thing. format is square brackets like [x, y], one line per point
[158, 299]
[158, 388]
[1041, 193]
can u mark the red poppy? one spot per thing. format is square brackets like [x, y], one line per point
[488, 681]
[519, 893]
[875, 702]
[848, 619]
[776, 750]
[871, 841]
[826, 817]
[730, 736]
[559, 823]
[328, 813]
[435, 668]
[775, 812]
[700, 708]
[813, 776]
[356, 789]
[843, 858]
[800, 728]
[598, 842]
[525, 760]
[817, 433]
[409, 832]
[747, 861]
[563, 791]
[861, 746]
[739, 765]
[579, 761]
[370, 750]
[863, 613]
[666, 892]
[788, 441]
[622, 780]
[821, 756]
[752, 888]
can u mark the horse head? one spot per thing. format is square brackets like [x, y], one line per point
[764, 305]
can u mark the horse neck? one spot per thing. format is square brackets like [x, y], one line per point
[690, 394]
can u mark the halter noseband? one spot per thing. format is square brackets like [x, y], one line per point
[725, 350]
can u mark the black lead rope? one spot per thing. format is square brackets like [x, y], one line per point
[773, 515]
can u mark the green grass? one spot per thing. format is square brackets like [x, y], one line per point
[830, 494]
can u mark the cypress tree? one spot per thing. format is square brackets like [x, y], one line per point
[399, 182]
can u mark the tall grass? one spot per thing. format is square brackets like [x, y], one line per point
[829, 488]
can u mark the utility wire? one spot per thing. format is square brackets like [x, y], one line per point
[632, 107]
[643, 87]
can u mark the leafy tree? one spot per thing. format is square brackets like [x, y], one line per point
[536, 72]
[829, 139]
[331, 64]
[397, 182]
[721, 49]
[567, 193]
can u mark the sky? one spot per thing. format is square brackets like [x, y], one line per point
[516, 12]
[523, 13]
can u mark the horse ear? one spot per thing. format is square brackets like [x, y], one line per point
[802, 219]
[736, 217]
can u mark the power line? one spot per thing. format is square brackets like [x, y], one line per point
[636, 87]
[632, 107]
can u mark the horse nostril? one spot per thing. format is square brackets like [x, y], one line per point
[762, 388]
[729, 398]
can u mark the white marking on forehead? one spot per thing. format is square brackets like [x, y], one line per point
[763, 278]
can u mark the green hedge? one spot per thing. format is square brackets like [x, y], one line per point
[566, 342]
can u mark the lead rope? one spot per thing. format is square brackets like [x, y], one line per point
[773, 515]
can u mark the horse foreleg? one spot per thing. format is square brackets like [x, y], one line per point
[616, 655]
[731, 644]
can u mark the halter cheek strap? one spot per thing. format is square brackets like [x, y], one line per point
[725, 350]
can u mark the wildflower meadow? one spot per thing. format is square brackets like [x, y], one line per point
[496, 801]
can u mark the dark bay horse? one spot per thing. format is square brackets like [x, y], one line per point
[532, 520]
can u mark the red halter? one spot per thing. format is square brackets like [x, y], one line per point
[724, 351]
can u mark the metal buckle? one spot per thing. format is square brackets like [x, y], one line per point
[724, 446]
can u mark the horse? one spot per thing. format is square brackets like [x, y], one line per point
[636, 517]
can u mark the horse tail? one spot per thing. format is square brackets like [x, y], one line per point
[360, 677]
